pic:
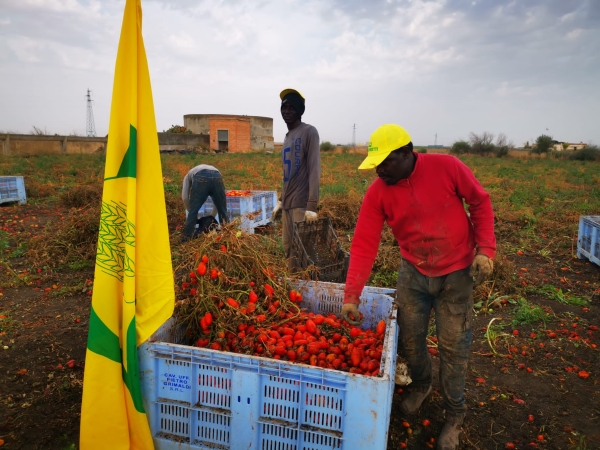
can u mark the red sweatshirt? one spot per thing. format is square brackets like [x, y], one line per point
[428, 219]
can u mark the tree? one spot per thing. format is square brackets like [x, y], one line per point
[503, 145]
[327, 146]
[482, 144]
[542, 144]
[460, 147]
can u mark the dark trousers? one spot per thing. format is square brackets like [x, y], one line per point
[451, 297]
[206, 182]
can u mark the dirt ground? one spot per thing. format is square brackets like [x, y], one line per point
[526, 384]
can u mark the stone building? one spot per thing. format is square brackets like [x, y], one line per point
[233, 133]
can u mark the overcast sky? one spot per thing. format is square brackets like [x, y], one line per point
[447, 67]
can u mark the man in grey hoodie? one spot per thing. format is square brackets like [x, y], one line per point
[301, 163]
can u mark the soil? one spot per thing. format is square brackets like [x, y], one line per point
[43, 340]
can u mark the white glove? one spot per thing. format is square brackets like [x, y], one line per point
[277, 212]
[310, 216]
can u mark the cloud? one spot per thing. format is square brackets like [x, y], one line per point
[448, 66]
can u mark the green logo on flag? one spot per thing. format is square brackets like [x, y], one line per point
[116, 240]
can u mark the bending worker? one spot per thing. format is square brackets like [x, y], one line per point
[198, 184]
[421, 197]
[301, 161]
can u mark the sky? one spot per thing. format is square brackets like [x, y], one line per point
[445, 68]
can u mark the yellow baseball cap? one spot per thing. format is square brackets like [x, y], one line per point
[290, 91]
[384, 141]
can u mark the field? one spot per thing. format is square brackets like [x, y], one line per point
[536, 322]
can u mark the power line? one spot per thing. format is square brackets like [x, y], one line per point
[90, 127]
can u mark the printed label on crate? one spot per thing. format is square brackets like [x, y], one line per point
[175, 382]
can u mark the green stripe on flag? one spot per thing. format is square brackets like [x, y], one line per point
[131, 377]
[129, 164]
[102, 340]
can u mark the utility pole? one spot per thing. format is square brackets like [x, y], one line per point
[354, 136]
[90, 126]
[435, 143]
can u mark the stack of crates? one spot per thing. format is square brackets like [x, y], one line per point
[316, 246]
[200, 399]
[12, 189]
[254, 210]
[588, 240]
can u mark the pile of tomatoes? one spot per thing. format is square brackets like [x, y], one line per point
[262, 321]
[234, 193]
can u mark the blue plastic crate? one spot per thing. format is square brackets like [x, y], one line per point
[197, 398]
[12, 189]
[588, 240]
[254, 211]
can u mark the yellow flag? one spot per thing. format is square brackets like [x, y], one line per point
[133, 285]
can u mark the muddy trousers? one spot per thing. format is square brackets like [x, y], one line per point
[288, 217]
[451, 298]
[205, 183]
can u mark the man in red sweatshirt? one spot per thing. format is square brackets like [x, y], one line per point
[444, 251]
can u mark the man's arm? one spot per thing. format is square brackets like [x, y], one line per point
[185, 192]
[480, 209]
[313, 161]
[365, 244]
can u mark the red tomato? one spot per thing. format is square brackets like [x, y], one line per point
[261, 318]
[215, 346]
[201, 269]
[381, 327]
[214, 273]
[269, 290]
[355, 332]
[252, 297]
[293, 296]
[355, 357]
[208, 318]
[205, 259]
[311, 327]
[231, 302]
[223, 249]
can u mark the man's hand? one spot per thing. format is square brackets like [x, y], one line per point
[310, 216]
[277, 212]
[351, 315]
[481, 269]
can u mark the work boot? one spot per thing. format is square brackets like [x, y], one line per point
[411, 404]
[450, 435]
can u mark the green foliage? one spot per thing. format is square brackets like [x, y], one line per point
[385, 278]
[327, 146]
[178, 129]
[589, 153]
[460, 148]
[4, 243]
[543, 144]
[558, 295]
[527, 314]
